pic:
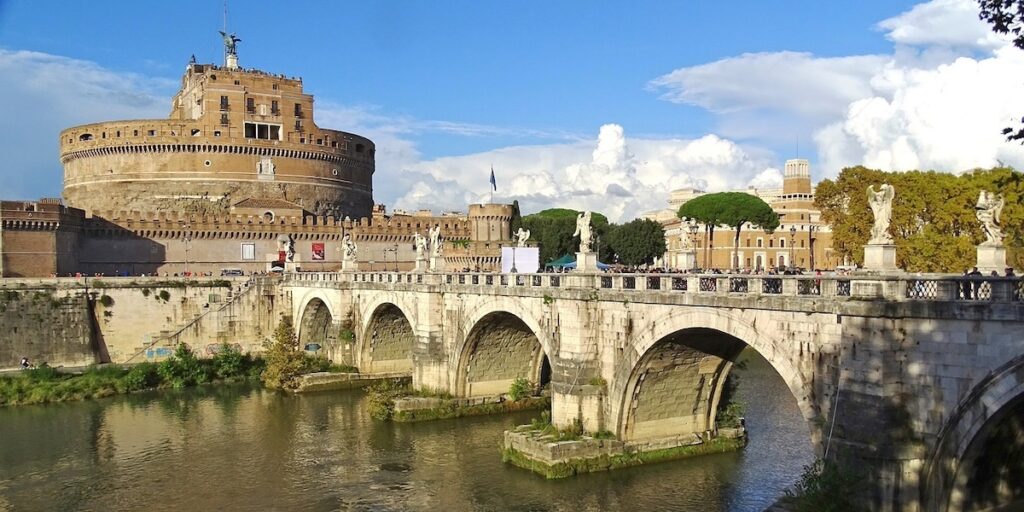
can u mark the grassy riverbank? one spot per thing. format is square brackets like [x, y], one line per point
[184, 369]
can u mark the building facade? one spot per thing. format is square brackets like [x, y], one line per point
[802, 240]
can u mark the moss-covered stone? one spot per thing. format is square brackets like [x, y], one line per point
[451, 409]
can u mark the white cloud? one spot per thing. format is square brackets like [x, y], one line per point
[796, 82]
[952, 23]
[43, 94]
[614, 175]
[938, 101]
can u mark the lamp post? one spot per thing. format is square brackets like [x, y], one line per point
[811, 228]
[396, 257]
[514, 270]
[693, 240]
[792, 242]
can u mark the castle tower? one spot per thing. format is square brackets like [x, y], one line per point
[232, 134]
[797, 177]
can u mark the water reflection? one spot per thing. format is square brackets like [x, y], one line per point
[240, 447]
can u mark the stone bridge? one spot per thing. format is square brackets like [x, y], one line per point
[916, 381]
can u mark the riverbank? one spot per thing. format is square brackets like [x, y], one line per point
[183, 369]
[395, 400]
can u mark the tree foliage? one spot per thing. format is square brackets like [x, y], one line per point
[734, 209]
[1006, 17]
[933, 217]
[637, 242]
[552, 229]
[285, 361]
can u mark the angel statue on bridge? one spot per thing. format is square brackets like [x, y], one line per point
[522, 235]
[583, 231]
[435, 240]
[420, 242]
[349, 248]
[881, 207]
[989, 209]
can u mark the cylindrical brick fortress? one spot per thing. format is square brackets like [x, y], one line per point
[232, 135]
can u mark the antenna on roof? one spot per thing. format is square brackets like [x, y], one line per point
[225, 15]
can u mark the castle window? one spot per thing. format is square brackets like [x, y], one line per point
[298, 110]
[85, 136]
[250, 105]
[262, 131]
[237, 82]
[103, 135]
[249, 251]
[216, 133]
[320, 142]
[223, 102]
[771, 243]
[760, 242]
[151, 133]
[195, 132]
[224, 119]
[274, 110]
[298, 126]
[135, 133]
[782, 242]
[359, 148]
[334, 143]
[118, 133]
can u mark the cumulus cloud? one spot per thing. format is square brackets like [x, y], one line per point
[43, 94]
[952, 23]
[938, 101]
[617, 176]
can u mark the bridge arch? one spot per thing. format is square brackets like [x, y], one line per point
[317, 321]
[387, 337]
[680, 361]
[502, 342]
[978, 459]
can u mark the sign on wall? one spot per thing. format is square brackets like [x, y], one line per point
[318, 251]
[248, 251]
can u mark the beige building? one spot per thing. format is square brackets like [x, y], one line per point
[801, 240]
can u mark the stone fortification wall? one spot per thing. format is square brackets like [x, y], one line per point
[45, 325]
[70, 322]
[149, 164]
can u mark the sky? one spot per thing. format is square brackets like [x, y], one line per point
[580, 104]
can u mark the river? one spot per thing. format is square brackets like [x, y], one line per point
[239, 447]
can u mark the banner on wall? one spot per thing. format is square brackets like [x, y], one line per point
[318, 251]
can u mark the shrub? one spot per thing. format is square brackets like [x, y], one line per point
[381, 398]
[520, 389]
[43, 373]
[229, 362]
[284, 360]
[106, 300]
[183, 369]
[141, 376]
[730, 416]
[825, 487]
[164, 295]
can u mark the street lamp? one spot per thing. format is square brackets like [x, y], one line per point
[396, 257]
[811, 228]
[693, 241]
[792, 242]
[514, 270]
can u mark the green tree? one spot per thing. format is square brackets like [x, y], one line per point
[517, 218]
[933, 217]
[733, 209]
[284, 360]
[638, 241]
[553, 228]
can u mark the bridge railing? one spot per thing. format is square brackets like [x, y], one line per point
[892, 287]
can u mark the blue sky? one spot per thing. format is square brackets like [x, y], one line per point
[574, 103]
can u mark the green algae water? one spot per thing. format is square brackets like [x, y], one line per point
[239, 447]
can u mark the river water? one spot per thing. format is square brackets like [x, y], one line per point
[244, 448]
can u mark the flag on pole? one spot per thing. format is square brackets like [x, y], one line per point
[494, 184]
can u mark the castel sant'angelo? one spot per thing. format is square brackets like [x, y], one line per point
[239, 176]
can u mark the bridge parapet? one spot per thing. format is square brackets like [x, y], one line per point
[900, 288]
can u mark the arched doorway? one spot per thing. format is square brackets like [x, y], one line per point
[499, 349]
[991, 473]
[387, 341]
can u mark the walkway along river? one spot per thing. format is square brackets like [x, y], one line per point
[243, 448]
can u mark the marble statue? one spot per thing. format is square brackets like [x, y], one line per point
[685, 237]
[988, 210]
[435, 240]
[349, 247]
[583, 231]
[522, 236]
[420, 242]
[881, 208]
[286, 244]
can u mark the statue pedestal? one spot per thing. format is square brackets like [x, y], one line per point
[880, 257]
[421, 265]
[686, 260]
[991, 258]
[231, 62]
[349, 266]
[586, 262]
[437, 264]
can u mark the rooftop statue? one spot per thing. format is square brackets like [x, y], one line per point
[230, 42]
[881, 208]
[435, 240]
[420, 242]
[685, 237]
[349, 248]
